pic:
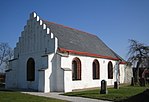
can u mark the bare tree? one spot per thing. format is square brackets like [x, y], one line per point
[6, 53]
[139, 56]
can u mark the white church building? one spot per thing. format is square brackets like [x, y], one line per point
[51, 57]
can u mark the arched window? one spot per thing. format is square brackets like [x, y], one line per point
[96, 69]
[76, 69]
[110, 70]
[30, 69]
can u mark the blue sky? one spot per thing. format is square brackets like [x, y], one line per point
[113, 21]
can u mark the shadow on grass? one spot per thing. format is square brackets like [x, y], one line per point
[6, 90]
[142, 97]
[3, 89]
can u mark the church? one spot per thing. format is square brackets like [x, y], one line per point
[52, 57]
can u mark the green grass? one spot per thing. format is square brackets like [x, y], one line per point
[113, 94]
[11, 96]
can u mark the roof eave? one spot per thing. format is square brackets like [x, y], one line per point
[63, 50]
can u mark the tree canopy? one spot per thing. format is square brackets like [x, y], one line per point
[139, 57]
[138, 52]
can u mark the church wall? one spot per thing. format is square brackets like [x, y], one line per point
[48, 77]
[11, 77]
[36, 40]
[56, 77]
[128, 74]
[59, 75]
[53, 76]
[86, 72]
[122, 73]
[22, 75]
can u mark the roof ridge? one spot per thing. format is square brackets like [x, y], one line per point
[69, 27]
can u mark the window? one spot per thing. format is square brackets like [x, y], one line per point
[96, 69]
[110, 70]
[30, 69]
[76, 69]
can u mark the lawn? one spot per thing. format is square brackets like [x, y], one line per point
[113, 94]
[11, 96]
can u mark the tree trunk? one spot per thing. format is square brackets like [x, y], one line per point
[136, 75]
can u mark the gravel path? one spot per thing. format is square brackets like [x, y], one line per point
[62, 97]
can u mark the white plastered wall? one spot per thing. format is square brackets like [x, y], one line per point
[36, 40]
[86, 73]
[11, 76]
